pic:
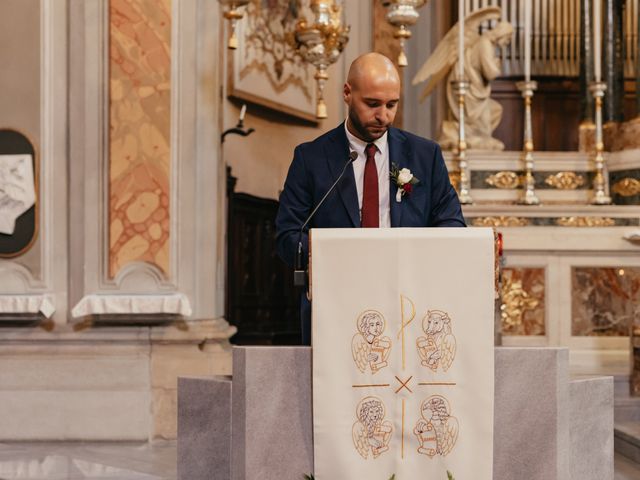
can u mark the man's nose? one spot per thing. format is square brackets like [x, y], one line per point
[383, 115]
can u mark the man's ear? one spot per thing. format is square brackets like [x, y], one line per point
[346, 93]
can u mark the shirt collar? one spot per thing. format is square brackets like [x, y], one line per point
[359, 145]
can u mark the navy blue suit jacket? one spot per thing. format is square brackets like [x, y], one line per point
[433, 202]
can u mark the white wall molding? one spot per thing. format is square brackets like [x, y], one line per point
[51, 279]
[197, 194]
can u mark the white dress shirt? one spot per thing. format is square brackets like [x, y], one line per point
[382, 165]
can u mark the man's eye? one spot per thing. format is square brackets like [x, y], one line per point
[372, 104]
[392, 105]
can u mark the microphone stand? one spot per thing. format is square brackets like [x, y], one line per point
[300, 272]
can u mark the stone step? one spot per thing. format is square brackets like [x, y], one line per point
[626, 439]
[626, 407]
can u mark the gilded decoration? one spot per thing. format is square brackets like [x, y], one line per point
[565, 180]
[585, 222]
[523, 301]
[627, 187]
[139, 128]
[504, 180]
[501, 221]
[270, 28]
[266, 69]
[605, 300]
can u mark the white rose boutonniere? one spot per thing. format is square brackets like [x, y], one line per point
[404, 179]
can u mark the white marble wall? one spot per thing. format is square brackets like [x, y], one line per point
[75, 378]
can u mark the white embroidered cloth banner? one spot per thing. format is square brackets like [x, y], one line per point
[402, 333]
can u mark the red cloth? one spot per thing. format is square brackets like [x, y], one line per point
[370, 217]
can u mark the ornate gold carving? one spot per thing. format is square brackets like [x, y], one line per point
[627, 187]
[565, 180]
[500, 222]
[585, 222]
[454, 179]
[516, 301]
[505, 180]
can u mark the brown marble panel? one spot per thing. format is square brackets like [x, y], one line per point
[604, 300]
[523, 301]
[139, 132]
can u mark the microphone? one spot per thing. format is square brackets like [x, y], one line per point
[299, 272]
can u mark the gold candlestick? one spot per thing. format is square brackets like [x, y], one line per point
[599, 197]
[460, 88]
[529, 196]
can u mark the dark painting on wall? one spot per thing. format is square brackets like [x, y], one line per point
[18, 193]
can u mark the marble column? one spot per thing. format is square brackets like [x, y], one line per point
[613, 60]
[586, 61]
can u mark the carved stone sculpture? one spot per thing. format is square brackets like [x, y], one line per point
[17, 189]
[481, 65]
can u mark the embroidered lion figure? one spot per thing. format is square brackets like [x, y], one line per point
[371, 433]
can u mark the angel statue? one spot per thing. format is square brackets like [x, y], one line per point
[481, 65]
[437, 430]
[438, 348]
[368, 347]
[371, 433]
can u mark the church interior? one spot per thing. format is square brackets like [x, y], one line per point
[144, 145]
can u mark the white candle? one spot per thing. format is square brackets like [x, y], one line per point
[527, 40]
[243, 111]
[461, 39]
[597, 46]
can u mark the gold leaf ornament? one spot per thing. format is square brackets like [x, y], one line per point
[627, 187]
[504, 180]
[565, 180]
[585, 222]
[500, 221]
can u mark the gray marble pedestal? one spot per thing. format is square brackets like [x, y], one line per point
[546, 427]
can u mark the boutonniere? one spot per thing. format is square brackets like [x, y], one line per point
[404, 179]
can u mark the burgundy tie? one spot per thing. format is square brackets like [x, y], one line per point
[370, 202]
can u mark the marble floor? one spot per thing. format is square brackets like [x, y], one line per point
[90, 460]
[128, 461]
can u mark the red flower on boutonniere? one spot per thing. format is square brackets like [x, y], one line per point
[404, 179]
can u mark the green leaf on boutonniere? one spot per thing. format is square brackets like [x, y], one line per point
[309, 477]
[450, 475]
[392, 477]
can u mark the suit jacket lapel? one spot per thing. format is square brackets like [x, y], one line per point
[337, 155]
[398, 154]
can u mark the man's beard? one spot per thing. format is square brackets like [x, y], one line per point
[361, 130]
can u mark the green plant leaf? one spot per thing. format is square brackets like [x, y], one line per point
[450, 475]
[392, 477]
[309, 477]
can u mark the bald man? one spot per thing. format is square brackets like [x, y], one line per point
[366, 196]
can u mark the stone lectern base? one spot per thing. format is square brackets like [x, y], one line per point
[259, 425]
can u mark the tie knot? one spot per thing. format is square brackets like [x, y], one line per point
[370, 150]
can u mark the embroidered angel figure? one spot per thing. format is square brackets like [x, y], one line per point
[368, 347]
[437, 430]
[438, 348]
[481, 65]
[371, 433]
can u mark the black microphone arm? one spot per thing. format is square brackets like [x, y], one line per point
[299, 273]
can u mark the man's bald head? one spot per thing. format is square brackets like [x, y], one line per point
[372, 92]
[372, 66]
